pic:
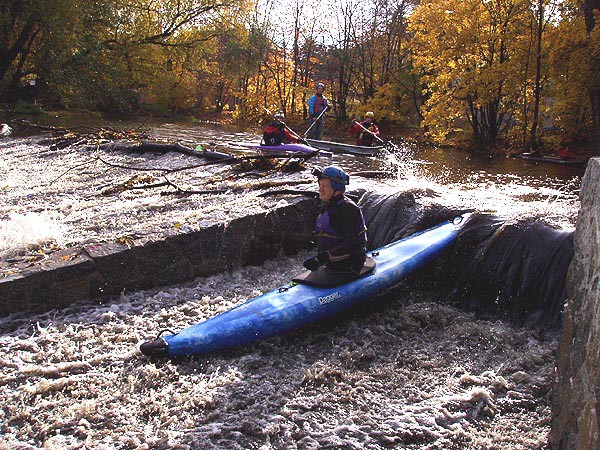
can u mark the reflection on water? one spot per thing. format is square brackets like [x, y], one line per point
[500, 185]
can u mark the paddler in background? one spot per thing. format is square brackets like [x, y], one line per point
[340, 229]
[317, 105]
[276, 133]
[366, 131]
[566, 153]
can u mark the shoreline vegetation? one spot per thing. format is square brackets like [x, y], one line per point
[491, 78]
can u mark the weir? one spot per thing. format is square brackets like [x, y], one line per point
[105, 270]
[514, 271]
[511, 269]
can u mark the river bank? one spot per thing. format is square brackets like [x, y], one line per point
[227, 120]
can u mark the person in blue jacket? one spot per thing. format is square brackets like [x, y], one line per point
[340, 229]
[316, 104]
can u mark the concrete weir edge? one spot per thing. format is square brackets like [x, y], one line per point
[107, 269]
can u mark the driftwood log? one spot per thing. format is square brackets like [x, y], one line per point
[109, 140]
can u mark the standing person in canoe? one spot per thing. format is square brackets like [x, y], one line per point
[276, 133]
[317, 104]
[340, 228]
[366, 132]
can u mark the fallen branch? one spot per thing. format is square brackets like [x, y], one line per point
[267, 184]
[234, 188]
[68, 170]
[376, 174]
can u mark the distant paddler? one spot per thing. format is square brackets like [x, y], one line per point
[317, 105]
[277, 132]
[367, 132]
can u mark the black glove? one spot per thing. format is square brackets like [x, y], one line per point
[314, 262]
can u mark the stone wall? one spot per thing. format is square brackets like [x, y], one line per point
[99, 270]
[577, 386]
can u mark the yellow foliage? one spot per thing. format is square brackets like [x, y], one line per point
[570, 52]
[390, 102]
[475, 59]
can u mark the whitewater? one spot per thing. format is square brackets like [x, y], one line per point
[405, 370]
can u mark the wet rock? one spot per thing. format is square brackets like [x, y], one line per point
[576, 409]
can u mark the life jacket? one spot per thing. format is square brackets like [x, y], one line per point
[566, 153]
[328, 237]
[365, 138]
[320, 104]
[273, 134]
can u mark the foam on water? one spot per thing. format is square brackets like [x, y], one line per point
[23, 230]
[399, 371]
[403, 370]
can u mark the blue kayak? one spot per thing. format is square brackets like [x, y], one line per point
[298, 304]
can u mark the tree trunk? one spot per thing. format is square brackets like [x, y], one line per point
[589, 7]
[9, 54]
[533, 140]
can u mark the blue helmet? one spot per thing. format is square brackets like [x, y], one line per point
[338, 177]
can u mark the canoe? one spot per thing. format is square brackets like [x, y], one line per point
[292, 149]
[337, 147]
[552, 159]
[301, 302]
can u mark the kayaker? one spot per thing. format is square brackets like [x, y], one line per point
[276, 133]
[316, 105]
[365, 131]
[340, 228]
[566, 153]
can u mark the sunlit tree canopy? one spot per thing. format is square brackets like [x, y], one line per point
[495, 73]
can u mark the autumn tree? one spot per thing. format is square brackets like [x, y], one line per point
[104, 53]
[538, 25]
[385, 83]
[591, 14]
[467, 53]
[340, 65]
[24, 27]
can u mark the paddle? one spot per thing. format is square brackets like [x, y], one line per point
[370, 132]
[388, 145]
[315, 121]
[296, 135]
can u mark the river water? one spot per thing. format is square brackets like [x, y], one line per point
[406, 371]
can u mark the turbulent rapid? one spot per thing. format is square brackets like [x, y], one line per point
[405, 370]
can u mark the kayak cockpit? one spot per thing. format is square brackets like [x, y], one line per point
[328, 278]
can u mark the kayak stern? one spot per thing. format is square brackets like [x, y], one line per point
[158, 348]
